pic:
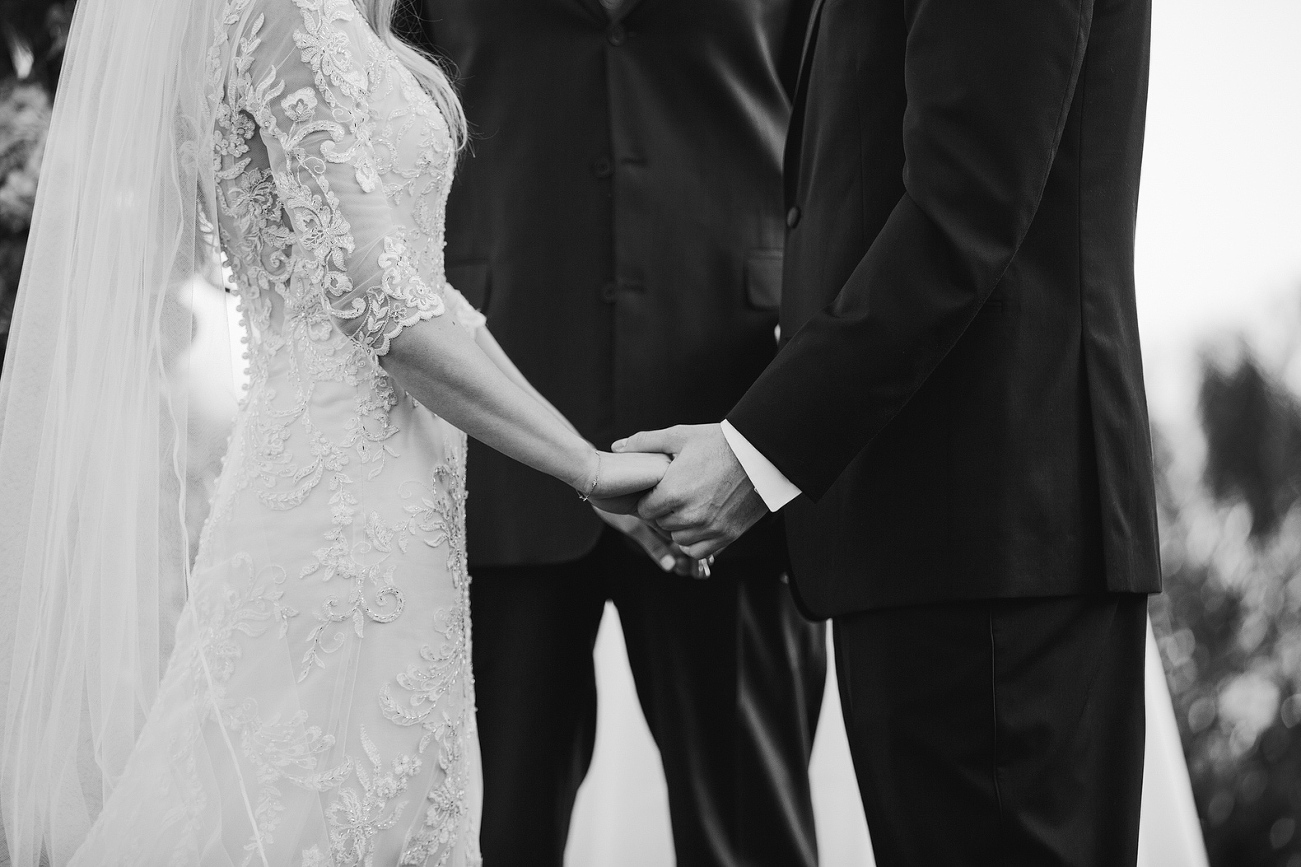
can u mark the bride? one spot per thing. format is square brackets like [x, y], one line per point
[318, 706]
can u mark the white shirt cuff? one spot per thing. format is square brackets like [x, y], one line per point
[772, 486]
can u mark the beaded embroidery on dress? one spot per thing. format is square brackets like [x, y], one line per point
[318, 708]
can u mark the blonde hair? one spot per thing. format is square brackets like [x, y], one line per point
[423, 66]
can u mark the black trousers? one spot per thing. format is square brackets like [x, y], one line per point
[998, 733]
[729, 676]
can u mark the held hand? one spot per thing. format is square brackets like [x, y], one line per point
[705, 500]
[667, 555]
[614, 476]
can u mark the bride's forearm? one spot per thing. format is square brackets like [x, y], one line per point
[498, 356]
[443, 368]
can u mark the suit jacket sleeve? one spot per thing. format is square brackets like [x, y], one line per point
[988, 89]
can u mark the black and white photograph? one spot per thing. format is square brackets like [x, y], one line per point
[650, 433]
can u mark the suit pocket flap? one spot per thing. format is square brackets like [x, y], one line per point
[763, 279]
[471, 280]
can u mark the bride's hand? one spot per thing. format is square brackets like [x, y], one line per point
[617, 476]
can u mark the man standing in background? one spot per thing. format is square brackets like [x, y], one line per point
[619, 218]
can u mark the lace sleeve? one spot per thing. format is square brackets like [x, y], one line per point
[297, 73]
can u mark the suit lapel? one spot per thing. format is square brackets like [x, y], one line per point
[806, 55]
[593, 7]
[795, 132]
[625, 8]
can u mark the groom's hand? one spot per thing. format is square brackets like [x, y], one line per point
[705, 500]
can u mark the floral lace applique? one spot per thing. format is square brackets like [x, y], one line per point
[358, 814]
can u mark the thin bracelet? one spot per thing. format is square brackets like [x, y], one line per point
[596, 480]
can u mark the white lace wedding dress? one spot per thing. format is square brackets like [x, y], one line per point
[319, 708]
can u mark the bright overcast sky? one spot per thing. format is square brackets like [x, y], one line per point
[1219, 237]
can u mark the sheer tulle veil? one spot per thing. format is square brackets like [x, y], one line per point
[94, 418]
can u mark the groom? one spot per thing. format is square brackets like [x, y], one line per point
[957, 420]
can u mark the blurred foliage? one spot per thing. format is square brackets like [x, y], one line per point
[34, 33]
[1229, 623]
[1253, 432]
[24, 119]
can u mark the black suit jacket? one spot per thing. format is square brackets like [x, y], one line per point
[961, 397]
[619, 218]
